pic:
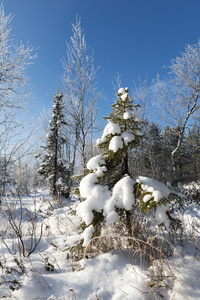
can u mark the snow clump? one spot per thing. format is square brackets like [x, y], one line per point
[111, 128]
[122, 197]
[116, 143]
[87, 235]
[127, 115]
[158, 191]
[97, 164]
[95, 194]
[121, 91]
[127, 137]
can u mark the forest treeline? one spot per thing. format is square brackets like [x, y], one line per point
[153, 157]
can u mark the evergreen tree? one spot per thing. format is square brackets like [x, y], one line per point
[193, 151]
[152, 151]
[121, 134]
[108, 192]
[53, 167]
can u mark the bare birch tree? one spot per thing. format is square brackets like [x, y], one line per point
[178, 98]
[14, 60]
[81, 93]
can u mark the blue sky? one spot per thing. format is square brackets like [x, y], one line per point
[132, 37]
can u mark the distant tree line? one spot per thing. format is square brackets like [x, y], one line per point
[153, 157]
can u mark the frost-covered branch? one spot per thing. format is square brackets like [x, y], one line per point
[178, 98]
[14, 91]
[81, 95]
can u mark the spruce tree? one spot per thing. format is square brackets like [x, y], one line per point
[121, 134]
[108, 192]
[152, 152]
[54, 167]
[107, 172]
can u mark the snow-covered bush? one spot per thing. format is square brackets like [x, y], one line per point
[108, 192]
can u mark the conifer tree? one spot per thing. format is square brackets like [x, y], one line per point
[152, 151]
[54, 167]
[121, 134]
[108, 192]
[107, 172]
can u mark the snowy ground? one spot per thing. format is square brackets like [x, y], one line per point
[114, 275]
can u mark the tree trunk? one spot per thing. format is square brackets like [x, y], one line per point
[125, 169]
[54, 191]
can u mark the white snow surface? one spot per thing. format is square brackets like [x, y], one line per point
[161, 216]
[101, 199]
[115, 275]
[122, 197]
[87, 184]
[95, 162]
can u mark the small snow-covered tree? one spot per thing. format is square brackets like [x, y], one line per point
[120, 134]
[53, 167]
[109, 194]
